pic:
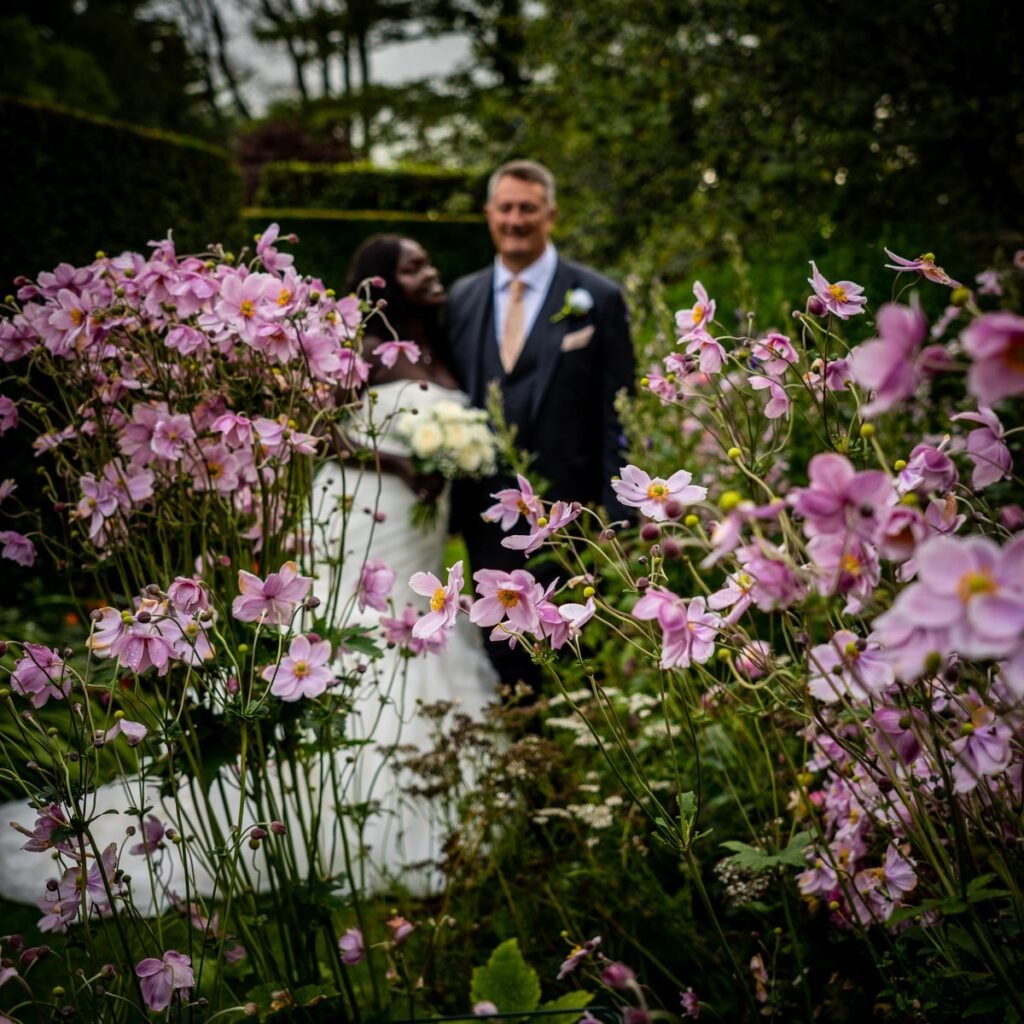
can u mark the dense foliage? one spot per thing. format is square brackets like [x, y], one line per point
[104, 185]
[358, 186]
[60, 52]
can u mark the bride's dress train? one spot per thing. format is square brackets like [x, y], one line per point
[398, 836]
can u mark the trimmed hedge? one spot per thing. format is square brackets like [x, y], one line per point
[76, 183]
[362, 186]
[327, 238]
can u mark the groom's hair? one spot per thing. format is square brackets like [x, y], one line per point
[524, 170]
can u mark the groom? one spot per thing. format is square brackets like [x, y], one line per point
[555, 336]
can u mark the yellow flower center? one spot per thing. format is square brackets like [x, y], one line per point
[77, 316]
[216, 470]
[437, 601]
[247, 309]
[300, 669]
[657, 491]
[508, 598]
[284, 296]
[698, 313]
[837, 291]
[521, 506]
[851, 564]
[974, 583]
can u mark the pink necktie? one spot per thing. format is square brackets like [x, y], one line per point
[513, 334]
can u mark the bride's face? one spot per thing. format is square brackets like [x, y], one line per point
[417, 276]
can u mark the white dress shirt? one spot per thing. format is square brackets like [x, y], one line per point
[537, 278]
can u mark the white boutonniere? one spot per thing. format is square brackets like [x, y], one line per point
[578, 302]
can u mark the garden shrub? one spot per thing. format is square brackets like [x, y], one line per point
[362, 186]
[457, 244]
[76, 183]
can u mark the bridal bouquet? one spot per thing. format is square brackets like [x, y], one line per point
[451, 440]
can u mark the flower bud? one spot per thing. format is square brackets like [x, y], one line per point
[650, 532]
[673, 508]
[815, 306]
[729, 500]
[278, 828]
[960, 296]
[617, 975]
[670, 548]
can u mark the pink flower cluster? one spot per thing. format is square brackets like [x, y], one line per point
[513, 603]
[159, 631]
[172, 367]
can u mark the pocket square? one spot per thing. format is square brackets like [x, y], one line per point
[578, 339]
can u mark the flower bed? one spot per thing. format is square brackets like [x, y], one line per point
[778, 770]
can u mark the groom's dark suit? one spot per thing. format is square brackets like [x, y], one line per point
[560, 396]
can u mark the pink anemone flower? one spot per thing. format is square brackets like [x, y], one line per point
[986, 448]
[444, 601]
[844, 298]
[273, 600]
[995, 342]
[924, 265]
[638, 489]
[160, 979]
[303, 672]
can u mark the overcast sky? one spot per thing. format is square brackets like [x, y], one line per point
[269, 71]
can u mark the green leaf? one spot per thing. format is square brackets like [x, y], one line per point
[573, 1001]
[359, 641]
[755, 860]
[793, 854]
[507, 981]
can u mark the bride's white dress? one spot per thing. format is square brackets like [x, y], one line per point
[395, 836]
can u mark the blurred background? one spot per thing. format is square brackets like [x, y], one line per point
[730, 140]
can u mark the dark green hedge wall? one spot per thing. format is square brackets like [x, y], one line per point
[327, 238]
[76, 184]
[360, 186]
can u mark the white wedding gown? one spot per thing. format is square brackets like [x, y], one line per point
[402, 835]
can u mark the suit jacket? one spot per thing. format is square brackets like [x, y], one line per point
[560, 394]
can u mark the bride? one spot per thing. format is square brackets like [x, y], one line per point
[364, 549]
[376, 544]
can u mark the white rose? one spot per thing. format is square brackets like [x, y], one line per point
[579, 301]
[456, 436]
[446, 409]
[470, 459]
[427, 438]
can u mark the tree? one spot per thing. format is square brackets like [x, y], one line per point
[62, 51]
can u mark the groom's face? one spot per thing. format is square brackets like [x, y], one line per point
[520, 217]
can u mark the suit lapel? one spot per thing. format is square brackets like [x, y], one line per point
[545, 341]
[479, 333]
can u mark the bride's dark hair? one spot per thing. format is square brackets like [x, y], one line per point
[378, 257]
